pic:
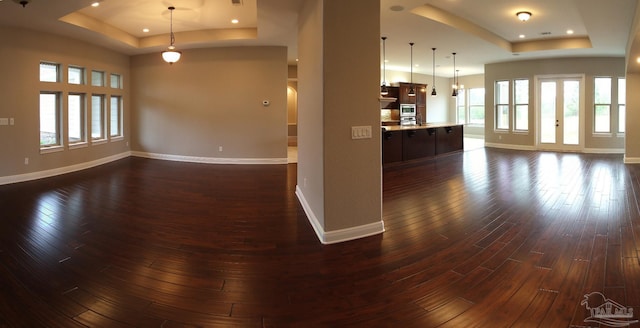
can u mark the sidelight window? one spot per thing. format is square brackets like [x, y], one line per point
[502, 105]
[602, 105]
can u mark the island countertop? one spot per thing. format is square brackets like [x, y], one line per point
[417, 127]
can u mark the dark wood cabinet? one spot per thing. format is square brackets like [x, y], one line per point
[448, 139]
[393, 93]
[402, 144]
[419, 99]
[418, 143]
[391, 146]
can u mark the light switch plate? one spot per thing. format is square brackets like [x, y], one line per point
[361, 132]
[4, 121]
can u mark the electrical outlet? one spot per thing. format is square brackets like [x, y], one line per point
[11, 121]
[220, 148]
[26, 161]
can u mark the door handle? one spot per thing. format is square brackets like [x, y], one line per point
[557, 123]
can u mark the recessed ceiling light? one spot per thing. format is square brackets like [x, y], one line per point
[396, 8]
[145, 30]
[235, 21]
[521, 36]
[95, 4]
[569, 31]
[638, 60]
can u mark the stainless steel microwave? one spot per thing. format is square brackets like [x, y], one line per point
[407, 110]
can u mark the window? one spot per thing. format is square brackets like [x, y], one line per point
[476, 106]
[116, 117]
[521, 105]
[50, 119]
[502, 105]
[98, 121]
[461, 113]
[622, 96]
[116, 81]
[49, 72]
[77, 118]
[602, 105]
[97, 78]
[76, 75]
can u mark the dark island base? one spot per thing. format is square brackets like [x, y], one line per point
[401, 144]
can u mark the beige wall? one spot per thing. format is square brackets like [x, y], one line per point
[21, 52]
[632, 146]
[590, 67]
[211, 98]
[339, 178]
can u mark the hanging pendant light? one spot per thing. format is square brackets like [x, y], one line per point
[433, 87]
[455, 85]
[412, 89]
[171, 55]
[383, 88]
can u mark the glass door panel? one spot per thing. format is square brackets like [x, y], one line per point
[548, 112]
[571, 113]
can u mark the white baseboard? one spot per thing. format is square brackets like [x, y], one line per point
[631, 160]
[338, 236]
[603, 151]
[61, 170]
[209, 160]
[508, 146]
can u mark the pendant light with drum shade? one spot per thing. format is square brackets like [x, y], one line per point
[171, 55]
[455, 85]
[383, 88]
[433, 87]
[412, 89]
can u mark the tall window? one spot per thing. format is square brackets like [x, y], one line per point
[461, 110]
[115, 127]
[622, 100]
[75, 75]
[76, 118]
[602, 105]
[49, 72]
[521, 105]
[502, 105]
[98, 129]
[50, 119]
[476, 106]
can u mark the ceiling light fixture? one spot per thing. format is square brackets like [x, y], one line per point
[383, 88]
[234, 21]
[433, 86]
[171, 55]
[455, 84]
[412, 89]
[569, 32]
[523, 15]
[95, 4]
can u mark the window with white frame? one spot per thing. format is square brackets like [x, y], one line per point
[49, 72]
[602, 105]
[622, 100]
[115, 117]
[461, 112]
[50, 119]
[97, 78]
[116, 81]
[521, 105]
[77, 118]
[476, 106]
[75, 75]
[502, 105]
[98, 121]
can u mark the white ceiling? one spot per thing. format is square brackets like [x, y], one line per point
[479, 31]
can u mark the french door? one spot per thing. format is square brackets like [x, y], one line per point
[560, 113]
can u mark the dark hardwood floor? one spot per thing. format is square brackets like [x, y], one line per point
[482, 238]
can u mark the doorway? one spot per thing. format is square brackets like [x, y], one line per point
[560, 113]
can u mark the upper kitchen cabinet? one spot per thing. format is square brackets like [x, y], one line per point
[419, 99]
[387, 102]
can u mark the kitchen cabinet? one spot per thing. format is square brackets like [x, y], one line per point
[418, 99]
[448, 139]
[407, 143]
[418, 143]
[391, 146]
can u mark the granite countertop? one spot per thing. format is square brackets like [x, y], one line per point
[416, 127]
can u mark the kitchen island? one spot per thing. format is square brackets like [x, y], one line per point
[401, 143]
